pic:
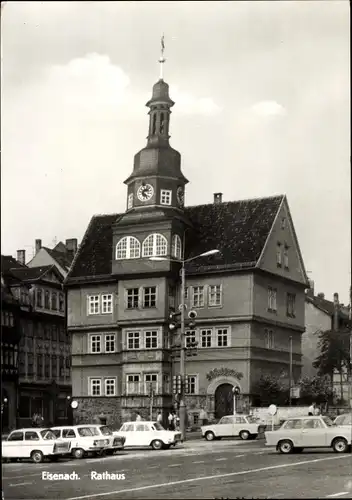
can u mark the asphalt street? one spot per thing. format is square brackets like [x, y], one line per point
[197, 469]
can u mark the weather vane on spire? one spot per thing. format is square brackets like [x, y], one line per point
[162, 58]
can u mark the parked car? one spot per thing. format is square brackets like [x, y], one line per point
[345, 419]
[298, 433]
[34, 443]
[82, 440]
[142, 433]
[244, 426]
[115, 442]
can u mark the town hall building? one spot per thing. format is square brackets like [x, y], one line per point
[249, 297]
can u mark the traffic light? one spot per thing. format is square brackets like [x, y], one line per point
[173, 320]
[192, 316]
[236, 390]
[176, 384]
[191, 349]
[187, 387]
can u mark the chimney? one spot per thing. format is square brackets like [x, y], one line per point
[217, 198]
[310, 290]
[21, 256]
[38, 245]
[71, 246]
[321, 295]
[336, 312]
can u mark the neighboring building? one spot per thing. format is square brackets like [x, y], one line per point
[44, 360]
[61, 255]
[322, 315]
[249, 298]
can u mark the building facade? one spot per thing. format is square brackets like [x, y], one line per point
[249, 297]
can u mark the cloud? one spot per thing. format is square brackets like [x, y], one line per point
[189, 104]
[268, 108]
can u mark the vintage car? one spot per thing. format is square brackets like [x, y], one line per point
[244, 426]
[82, 439]
[33, 443]
[297, 433]
[142, 433]
[344, 419]
[115, 442]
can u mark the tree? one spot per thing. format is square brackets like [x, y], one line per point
[271, 390]
[316, 389]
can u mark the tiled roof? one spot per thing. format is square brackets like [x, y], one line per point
[325, 306]
[239, 229]
[63, 259]
[30, 273]
[9, 262]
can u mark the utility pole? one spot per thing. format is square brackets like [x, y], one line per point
[182, 405]
[350, 367]
[291, 377]
[151, 392]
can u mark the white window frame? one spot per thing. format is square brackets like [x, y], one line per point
[196, 384]
[165, 197]
[130, 201]
[107, 380]
[134, 337]
[154, 334]
[146, 383]
[112, 340]
[155, 245]
[138, 384]
[91, 302]
[279, 255]
[166, 383]
[217, 336]
[291, 305]
[269, 338]
[90, 381]
[98, 339]
[128, 247]
[272, 299]
[144, 296]
[215, 294]
[106, 299]
[200, 303]
[134, 296]
[176, 247]
[190, 338]
[201, 337]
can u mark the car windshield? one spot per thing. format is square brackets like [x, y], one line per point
[343, 419]
[252, 420]
[47, 434]
[56, 432]
[328, 421]
[158, 427]
[105, 430]
[86, 431]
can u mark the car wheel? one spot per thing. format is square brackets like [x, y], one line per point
[244, 435]
[285, 446]
[78, 453]
[210, 436]
[37, 456]
[157, 444]
[340, 445]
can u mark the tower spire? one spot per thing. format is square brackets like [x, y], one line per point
[161, 58]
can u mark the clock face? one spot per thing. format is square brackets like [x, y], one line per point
[145, 192]
[180, 196]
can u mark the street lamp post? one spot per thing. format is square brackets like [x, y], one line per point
[182, 403]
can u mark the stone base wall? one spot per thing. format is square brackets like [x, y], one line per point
[98, 410]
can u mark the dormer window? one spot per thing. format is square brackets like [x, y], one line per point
[128, 248]
[130, 201]
[176, 250]
[154, 245]
[165, 197]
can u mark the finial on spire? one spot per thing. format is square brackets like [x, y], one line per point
[162, 59]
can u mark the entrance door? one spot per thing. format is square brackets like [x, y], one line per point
[223, 400]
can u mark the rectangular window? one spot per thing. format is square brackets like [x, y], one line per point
[39, 297]
[222, 337]
[61, 366]
[291, 305]
[93, 304]
[54, 333]
[95, 343]
[30, 368]
[286, 257]
[47, 366]
[205, 338]
[130, 201]
[272, 292]
[54, 366]
[133, 384]
[269, 339]
[106, 304]
[192, 384]
[279, 255]
[165, 197]
[132, 298]
[22, 363]
[47, 300]
[190, 337]
[110, 386]
[39, 366]
[149, 296]
[61, 302]
[95, 387]
[133, 340]
[198, 296]
[150, 383]
[166, 383]
[110, 342]
[214, 298]
[151, 339]
[54, 301]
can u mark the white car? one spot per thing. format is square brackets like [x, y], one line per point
[33, 443]
[115, 441]
[141, 433]
[345, 419]
[82, 439]
[244, 426]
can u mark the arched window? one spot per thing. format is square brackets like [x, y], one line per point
[128, 248]
[161, 123]
[154, 125]
[176, 247]
[154, 245]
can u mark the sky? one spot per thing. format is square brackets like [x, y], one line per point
[262, 107]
